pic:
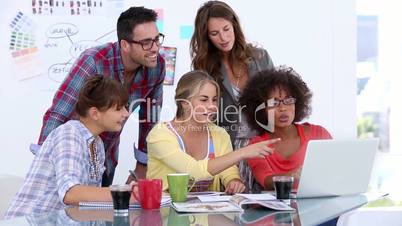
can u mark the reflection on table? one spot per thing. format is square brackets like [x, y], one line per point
[308, 212]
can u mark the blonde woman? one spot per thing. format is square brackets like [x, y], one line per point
[191, 143]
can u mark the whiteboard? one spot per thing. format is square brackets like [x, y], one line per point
[315, 37]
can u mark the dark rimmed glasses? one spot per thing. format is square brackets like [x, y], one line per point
[147, 44]
[271, 103]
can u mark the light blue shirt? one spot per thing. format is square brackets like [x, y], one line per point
[63, 161]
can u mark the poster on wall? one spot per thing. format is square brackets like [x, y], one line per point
[169, 54]
[46, 38]
[75, 8]
[23, 47]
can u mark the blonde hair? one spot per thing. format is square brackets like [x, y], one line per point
[189, 85]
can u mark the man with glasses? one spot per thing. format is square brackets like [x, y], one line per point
[135, 62]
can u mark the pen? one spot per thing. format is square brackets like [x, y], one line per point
[132, 174]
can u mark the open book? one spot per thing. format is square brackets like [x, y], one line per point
[236, 203]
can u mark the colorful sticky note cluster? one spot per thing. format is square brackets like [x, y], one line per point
[23, 48]
[186, 31]
[22, 33]
[160, 20]
[169, 54]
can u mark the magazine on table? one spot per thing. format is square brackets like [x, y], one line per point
[226, 198]
[235, 203]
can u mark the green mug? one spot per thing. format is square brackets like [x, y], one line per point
[175, 219]
[178, 186]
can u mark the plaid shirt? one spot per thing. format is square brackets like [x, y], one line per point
[146, 91]
[62, 162]
[62, 217]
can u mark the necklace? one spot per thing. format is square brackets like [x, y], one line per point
[94, 171]
[237, 76]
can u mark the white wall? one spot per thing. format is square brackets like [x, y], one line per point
[315, 37]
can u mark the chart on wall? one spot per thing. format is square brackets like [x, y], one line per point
[56, 7]
[46, 37]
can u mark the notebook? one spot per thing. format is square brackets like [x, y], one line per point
[337, 167]
[109, 205]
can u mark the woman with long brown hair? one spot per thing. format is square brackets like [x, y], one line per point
[218, 46]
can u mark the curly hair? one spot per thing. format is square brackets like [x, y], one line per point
[261, 85]
[205, 56]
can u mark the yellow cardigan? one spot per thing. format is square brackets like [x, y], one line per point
[165, 156]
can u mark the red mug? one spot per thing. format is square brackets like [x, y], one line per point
[150, 191]
[151, 217]
[148, 217]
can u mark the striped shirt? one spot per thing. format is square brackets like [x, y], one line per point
[62, 162]
[145, 92]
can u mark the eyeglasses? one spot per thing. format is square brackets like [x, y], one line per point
[147, 44]
[271, 103]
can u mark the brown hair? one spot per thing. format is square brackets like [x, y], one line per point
[189, 85]
[132, 17]
[100, 92]
[205, 56]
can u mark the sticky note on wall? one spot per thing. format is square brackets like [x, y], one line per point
[159, 21]
[186, 31]
[159, 25]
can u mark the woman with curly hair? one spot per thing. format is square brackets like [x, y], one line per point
[276, 101]
[218, 46]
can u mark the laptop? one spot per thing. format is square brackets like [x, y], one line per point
[336, 167]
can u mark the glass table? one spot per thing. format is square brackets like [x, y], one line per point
[308, 212]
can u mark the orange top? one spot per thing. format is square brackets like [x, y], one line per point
[275, 163]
